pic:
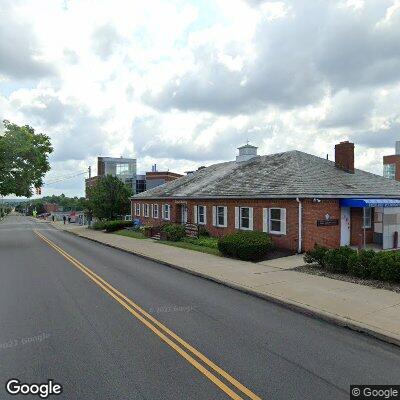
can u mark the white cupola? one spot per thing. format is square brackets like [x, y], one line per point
[246, 152]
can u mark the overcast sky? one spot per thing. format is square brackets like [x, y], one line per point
[184, 83]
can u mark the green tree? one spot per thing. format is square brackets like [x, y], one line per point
[23, 159]
[108, 198]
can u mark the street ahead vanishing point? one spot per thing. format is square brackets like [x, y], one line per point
[105, 324]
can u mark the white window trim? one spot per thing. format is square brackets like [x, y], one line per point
[369, 217]
[169, 212]
[225, 224]
[155, 211]
[198, 214]
[282, 220]
[250, 228]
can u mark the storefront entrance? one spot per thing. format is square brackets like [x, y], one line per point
[370, 221]
[345, 226]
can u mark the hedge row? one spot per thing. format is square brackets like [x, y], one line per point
[368, 264]
[111, 226]
[174, 232]
[245, 245]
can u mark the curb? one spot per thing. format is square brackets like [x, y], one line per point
[288, 304]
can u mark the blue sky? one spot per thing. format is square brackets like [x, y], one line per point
[184, 83]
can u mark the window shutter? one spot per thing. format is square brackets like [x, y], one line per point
[162, 211]
[283, 221]
[195, 214]
[152, 211]
[205, 215]
[225, 217]
[133, 211]
[251, 218]
[143, 209]
[265, 219]
[214, 216]
[236, 217]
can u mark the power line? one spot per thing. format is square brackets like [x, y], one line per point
[64, 178]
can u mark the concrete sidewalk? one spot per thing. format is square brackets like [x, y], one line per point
[362, 308]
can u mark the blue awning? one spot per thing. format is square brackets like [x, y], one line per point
[370, 202]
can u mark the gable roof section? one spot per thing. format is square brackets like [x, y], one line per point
[282, 175]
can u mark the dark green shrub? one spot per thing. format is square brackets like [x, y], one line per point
[359, 263]
[173, 232]
[336, 260]
[316, 255]
[245, 245]
[98, 226]
[210, 242]
[147, 231]
[112, 226]
[203, 231]
[390, 270]
[379, 262]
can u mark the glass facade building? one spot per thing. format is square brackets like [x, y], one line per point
[125, 169]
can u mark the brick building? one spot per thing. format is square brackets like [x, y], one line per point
[299, 199]
[391, 164]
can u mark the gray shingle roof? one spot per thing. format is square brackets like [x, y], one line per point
[281, 175]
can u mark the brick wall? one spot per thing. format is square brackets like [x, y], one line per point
[312, 234]
[344, 156]
[328, 236]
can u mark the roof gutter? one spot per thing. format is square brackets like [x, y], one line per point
[332, 196]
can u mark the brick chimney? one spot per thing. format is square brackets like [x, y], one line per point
[344, 156]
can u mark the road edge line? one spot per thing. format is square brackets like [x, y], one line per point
[293, 306]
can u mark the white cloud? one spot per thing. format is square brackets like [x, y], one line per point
[183, 83]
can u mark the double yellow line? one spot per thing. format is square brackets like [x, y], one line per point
[183, 348]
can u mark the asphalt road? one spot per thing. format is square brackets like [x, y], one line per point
[59, 321]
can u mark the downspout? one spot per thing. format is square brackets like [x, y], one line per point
[364, 240]
[300, 244]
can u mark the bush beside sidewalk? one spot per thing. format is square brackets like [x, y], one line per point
[362, 308]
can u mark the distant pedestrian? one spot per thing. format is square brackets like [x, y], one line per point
[69, 220]
[64, 218]
[52, 217]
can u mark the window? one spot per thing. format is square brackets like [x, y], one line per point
[146, 210]
[389, 171]
[166, 211]
[277, 221]
[201, 215]
[121, 169]
[244, 218]
[137, 213]
[155, 211]
[367, 217]
[221, 216]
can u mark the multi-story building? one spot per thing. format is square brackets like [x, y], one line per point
[125, 169]
[298, 199]
[391, 164]
[122, 168]
[157, 178]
